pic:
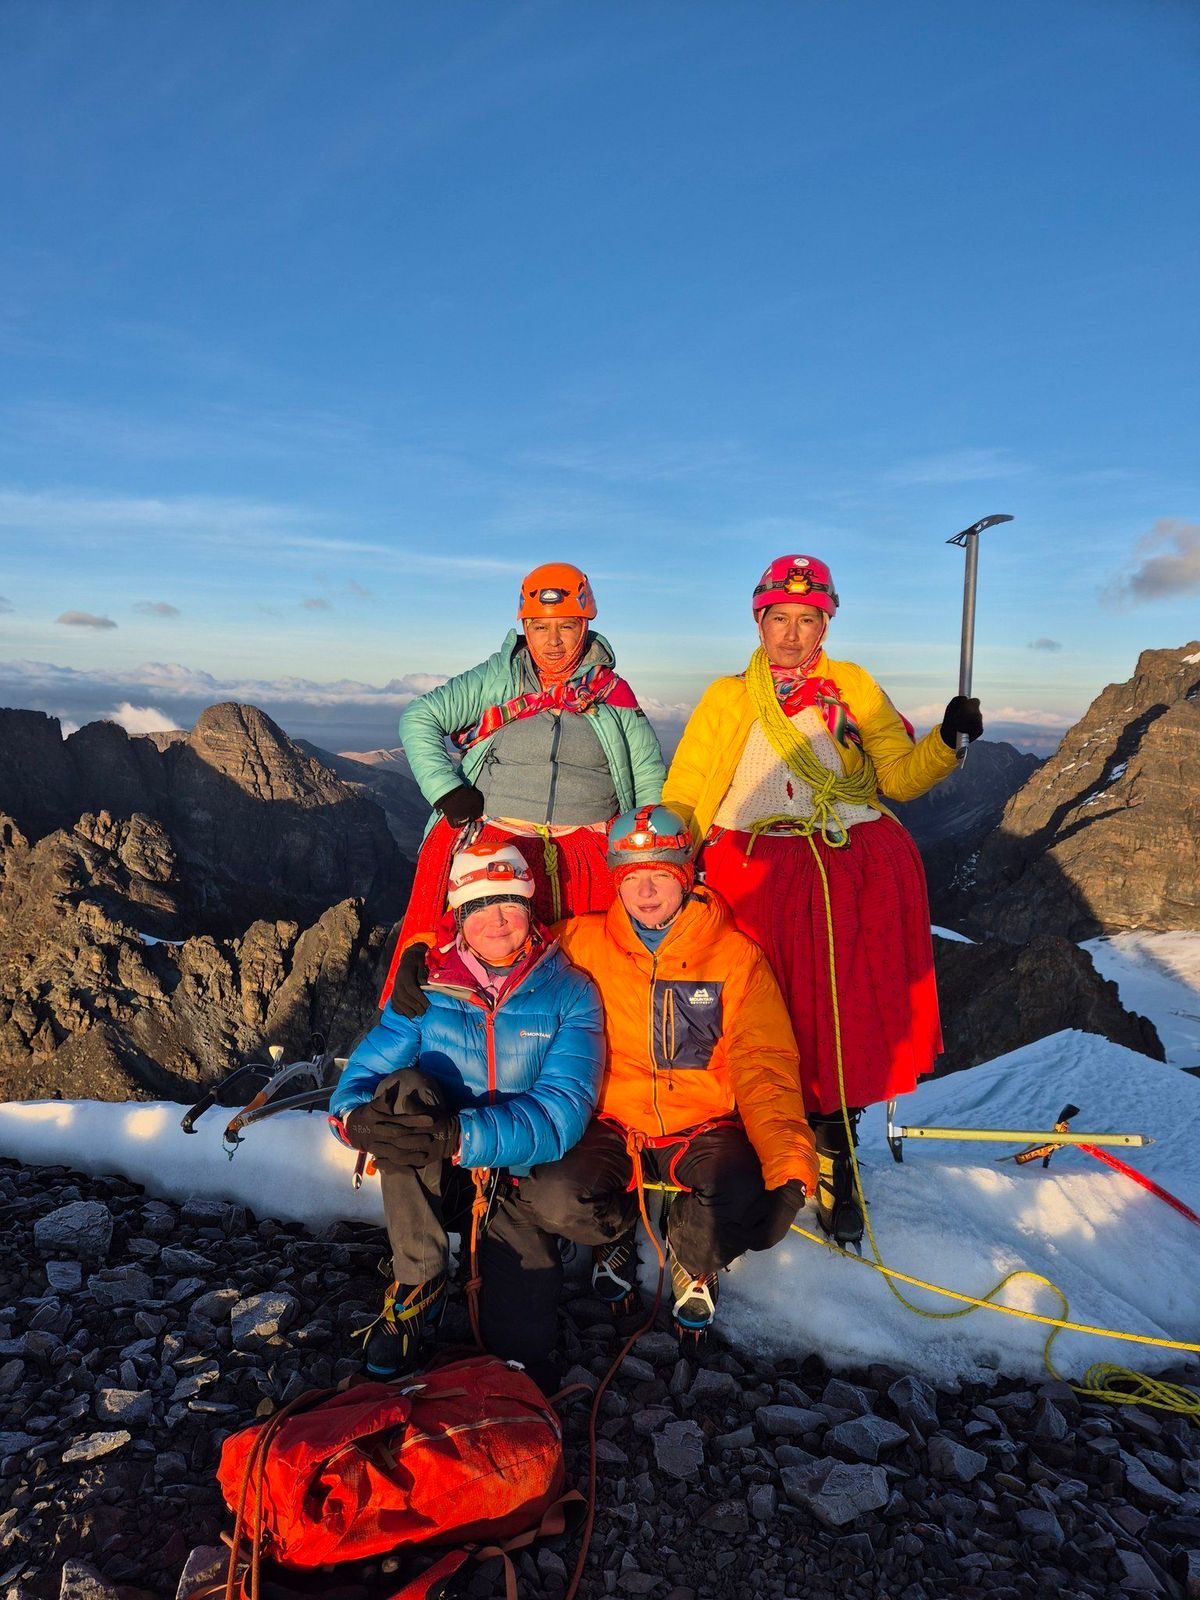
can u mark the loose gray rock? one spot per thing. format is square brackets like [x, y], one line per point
[727, 1516]
[158, 1220]
[836, 1492]
[763, 1503]
[1036, 1523]
[679, 1450]
[130, 1406]
[216, 1304]
[1048, 1422]
[865, 1438]
[658, 1347]
[64, 1277]
[96, 1445]
[83, 1228]
[205, 1564]
[13, 1444]
[81, 1581]
[1138, 1577]
[709, 1385]
[916, 1402]
[120, 1286]
[951, 1460]
[260, 1318]
[789, 1422]
[844, 1396]
[1144, 1484]
[183, 1262]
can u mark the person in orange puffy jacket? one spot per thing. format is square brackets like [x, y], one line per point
[701, 1079]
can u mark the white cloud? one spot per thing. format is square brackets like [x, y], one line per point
[1174, 569]
[156, 608]
[316, 603]
[84, 619]
[1044, 644]
[140, 719]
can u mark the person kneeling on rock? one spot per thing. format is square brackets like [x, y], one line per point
[702, 1081]
[500, 1072]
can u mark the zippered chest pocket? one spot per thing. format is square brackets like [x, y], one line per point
[687, 1022]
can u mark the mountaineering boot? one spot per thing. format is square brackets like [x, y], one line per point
[410, 1317]
[838, 1209]
[694, 1307]
[614, 1275]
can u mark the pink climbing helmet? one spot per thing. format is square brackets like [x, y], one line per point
[796, 580]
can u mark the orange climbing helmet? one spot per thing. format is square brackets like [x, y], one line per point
[556, 590]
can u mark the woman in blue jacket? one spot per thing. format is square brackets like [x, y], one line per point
[501, 1072]
[554, 745]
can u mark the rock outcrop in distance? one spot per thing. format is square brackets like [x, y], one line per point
[382, 776]
[1106, 835]
[258, 828]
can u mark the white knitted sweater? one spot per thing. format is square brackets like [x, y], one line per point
[765, 786]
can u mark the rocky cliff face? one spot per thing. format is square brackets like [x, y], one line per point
[258, 827]
[1106, 835]
[386, 781]
[92, 1008]
[951, 822]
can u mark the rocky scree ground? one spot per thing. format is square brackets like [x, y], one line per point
[136, 1334]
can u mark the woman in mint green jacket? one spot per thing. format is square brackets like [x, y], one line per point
[553, 745]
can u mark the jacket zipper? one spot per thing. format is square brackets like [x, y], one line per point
[557, 734]
[489, 1019]
[662, 1127]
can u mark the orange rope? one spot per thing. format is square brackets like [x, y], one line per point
[474, 1284]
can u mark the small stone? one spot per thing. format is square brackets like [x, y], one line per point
[848, 1397]
[120, 1286]
[709, 1385]
[158, 1220]
[865, 1438]
[1035, 1523]
[1191, 1580]
[788, 1422]
[184, 1289]
[679, 1450]
[638, 1370]
[64, 1277]
[738, 1439]
[953, 1461]
[916, 1402]
[196, 1380]
[1048, 1422]
[836, 1492]
[260, 1318]
[610, 1454]
[15, 1444]
[1144, 1484]
[96, 1445]
[650, 1419]
[124, 1405]
[82, 1229]
[660, 1348]
[215, 1305]
[634, 1582]
[81, 1581]
[1137, 1576]
[206, 1564]
[183, 1262]
[727, 1516]
[763, 1502]
[549, 1561]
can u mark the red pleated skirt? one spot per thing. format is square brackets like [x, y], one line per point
[883, 951]
[576, 860]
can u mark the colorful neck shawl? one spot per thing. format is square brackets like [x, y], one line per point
[598, 685]
[796, 693]
[550, 676]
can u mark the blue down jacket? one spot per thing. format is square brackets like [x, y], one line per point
[523, 1078]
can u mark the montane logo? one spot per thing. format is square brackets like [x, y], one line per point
[532, 1033]
[701, 997]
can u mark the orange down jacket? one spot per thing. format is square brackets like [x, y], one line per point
[696, 1030]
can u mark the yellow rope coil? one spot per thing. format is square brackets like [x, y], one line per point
[1100, 1379]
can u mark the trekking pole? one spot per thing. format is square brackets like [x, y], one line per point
[968, 540]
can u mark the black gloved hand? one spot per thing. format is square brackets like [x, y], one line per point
[435, 1132]
[395, 1145]
[408, 997]
[461, 805]
[962, 716]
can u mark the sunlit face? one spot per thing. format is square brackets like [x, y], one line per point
[496, 932]
[790, 633]
[554, 640]
[651, 896]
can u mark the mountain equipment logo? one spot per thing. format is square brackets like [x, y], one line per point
[702, 997]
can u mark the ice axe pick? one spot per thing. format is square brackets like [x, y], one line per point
[968, 539]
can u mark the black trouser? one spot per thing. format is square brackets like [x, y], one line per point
[724, 1209]
[518, 1260]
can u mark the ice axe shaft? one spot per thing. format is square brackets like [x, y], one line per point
[968, 539]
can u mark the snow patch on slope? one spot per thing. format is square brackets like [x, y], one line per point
[1157, 974]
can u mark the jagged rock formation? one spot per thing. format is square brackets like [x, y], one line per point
[388, 782]
[91, 1009]
[1106, 835]
[951, 822]
[996, 997]
[258, 827]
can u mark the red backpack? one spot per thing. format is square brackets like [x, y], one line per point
[469, 1453]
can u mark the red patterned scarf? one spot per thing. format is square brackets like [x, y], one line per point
[598, 685]
[798, 693]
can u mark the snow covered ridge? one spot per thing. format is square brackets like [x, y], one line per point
[1157, 974]
[950, 1214]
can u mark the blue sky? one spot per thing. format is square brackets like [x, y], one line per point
[321, 323]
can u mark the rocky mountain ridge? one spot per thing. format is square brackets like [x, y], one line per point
[1106, 835]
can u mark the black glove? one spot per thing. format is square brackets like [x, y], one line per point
[462, 805]
[962, 716]
[433, 1133]
[394, 1142]
[408, 998]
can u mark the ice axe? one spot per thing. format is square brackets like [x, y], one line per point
[968, 539]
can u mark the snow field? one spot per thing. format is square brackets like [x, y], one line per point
[1157, 974]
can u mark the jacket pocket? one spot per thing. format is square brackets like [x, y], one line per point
[687, 1022]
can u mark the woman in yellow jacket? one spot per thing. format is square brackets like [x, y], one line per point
[701, 1082]
[779, 775]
